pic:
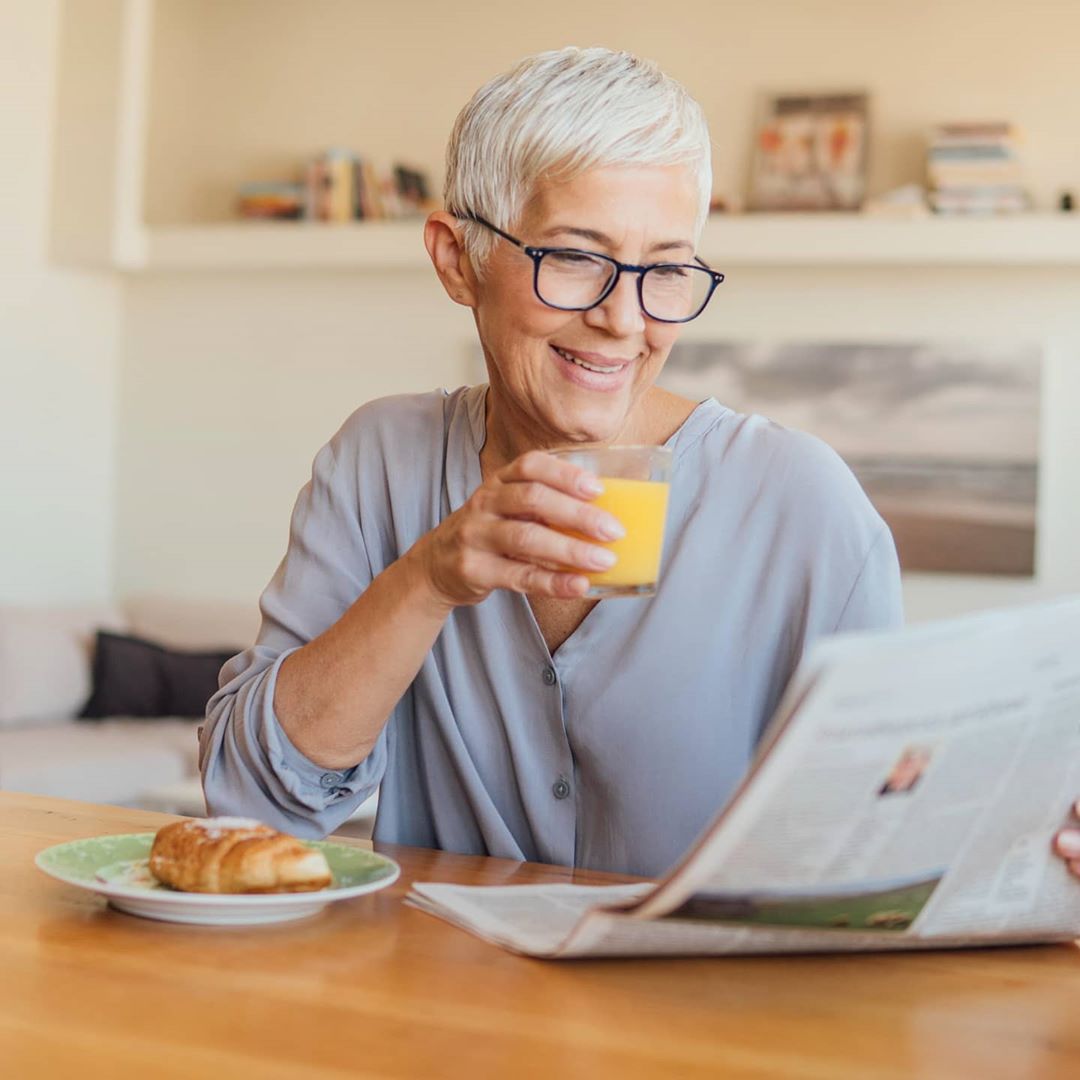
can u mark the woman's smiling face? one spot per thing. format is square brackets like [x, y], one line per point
[542, 394]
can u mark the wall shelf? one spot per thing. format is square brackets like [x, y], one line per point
[854, 240]
[1030, 240]
[282, 245]
[101, 216]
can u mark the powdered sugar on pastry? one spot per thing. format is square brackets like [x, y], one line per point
[217, 827]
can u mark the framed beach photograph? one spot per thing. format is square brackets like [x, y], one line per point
[943, 436]
[810, 152]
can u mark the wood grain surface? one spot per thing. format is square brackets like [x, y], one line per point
[372, 988]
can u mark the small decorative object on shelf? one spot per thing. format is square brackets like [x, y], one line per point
[280, 201]
[810, 153]
[907, 202]
[1067, 203]
[339, 186]
[975, 168]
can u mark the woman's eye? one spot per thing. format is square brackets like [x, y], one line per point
[572, 258]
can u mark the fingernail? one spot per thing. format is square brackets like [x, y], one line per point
[1068, 843]
[610, 528]
[589, 485]
[604, 559]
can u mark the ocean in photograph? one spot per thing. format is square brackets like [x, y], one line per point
[943, 436]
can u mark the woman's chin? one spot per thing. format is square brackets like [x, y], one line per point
[592, 425]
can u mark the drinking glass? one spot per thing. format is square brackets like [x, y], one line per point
[636, 482]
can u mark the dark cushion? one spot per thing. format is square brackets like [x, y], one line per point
[135, 677]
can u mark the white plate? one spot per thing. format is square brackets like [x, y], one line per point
[116, 867]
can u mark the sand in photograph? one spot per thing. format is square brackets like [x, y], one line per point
[942, 543]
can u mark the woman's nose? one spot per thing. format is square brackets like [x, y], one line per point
[620, 314]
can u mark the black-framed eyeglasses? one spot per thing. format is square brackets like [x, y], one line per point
[572, 280]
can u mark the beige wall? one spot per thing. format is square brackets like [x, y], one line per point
[246, 89]
[59, 334]
[263, 367]
[232, 383]
[228, 383]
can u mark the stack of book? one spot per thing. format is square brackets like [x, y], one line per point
[976, 169]
[340, 186]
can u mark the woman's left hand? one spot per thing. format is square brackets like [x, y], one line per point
[1067, 842]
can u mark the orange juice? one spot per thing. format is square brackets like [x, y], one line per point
[641, 508]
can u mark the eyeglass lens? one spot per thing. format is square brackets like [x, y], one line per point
[575, 279]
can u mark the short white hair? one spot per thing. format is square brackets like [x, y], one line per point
[559, 114]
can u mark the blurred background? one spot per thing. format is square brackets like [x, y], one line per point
[169, 372]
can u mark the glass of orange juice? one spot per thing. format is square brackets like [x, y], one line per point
[636, 482]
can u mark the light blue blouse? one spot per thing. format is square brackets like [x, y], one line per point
[618, 750]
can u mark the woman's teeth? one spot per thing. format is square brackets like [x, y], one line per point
[588, 367]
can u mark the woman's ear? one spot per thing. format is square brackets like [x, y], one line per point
[442, 238]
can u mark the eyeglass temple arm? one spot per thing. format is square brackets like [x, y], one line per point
[494, 228]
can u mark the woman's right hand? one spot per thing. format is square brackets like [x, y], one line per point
[505, 536]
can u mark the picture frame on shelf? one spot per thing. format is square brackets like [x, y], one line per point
[810, 152]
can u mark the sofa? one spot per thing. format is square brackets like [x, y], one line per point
[46, 664]
[46, 657]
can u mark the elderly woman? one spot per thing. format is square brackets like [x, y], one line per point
[416, 637]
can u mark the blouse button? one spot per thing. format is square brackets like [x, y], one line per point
[550, 678]
[561, 788]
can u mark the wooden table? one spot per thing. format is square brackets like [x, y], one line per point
[370, 987]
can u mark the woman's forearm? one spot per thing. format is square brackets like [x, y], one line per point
[334, 696]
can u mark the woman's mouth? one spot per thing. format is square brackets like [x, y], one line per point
[591, 365]
[591, 371]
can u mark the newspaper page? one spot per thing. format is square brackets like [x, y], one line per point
[905, 797]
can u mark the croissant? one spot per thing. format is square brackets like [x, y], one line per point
[235, 855]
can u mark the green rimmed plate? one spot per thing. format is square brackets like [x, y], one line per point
[116, 867]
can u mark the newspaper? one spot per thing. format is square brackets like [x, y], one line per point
[904, 797]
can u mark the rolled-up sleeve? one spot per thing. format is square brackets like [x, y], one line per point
[249, 766]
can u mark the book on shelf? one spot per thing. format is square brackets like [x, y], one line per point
[339, 186]
[959, 201]
[945, 176]
[999, 129]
